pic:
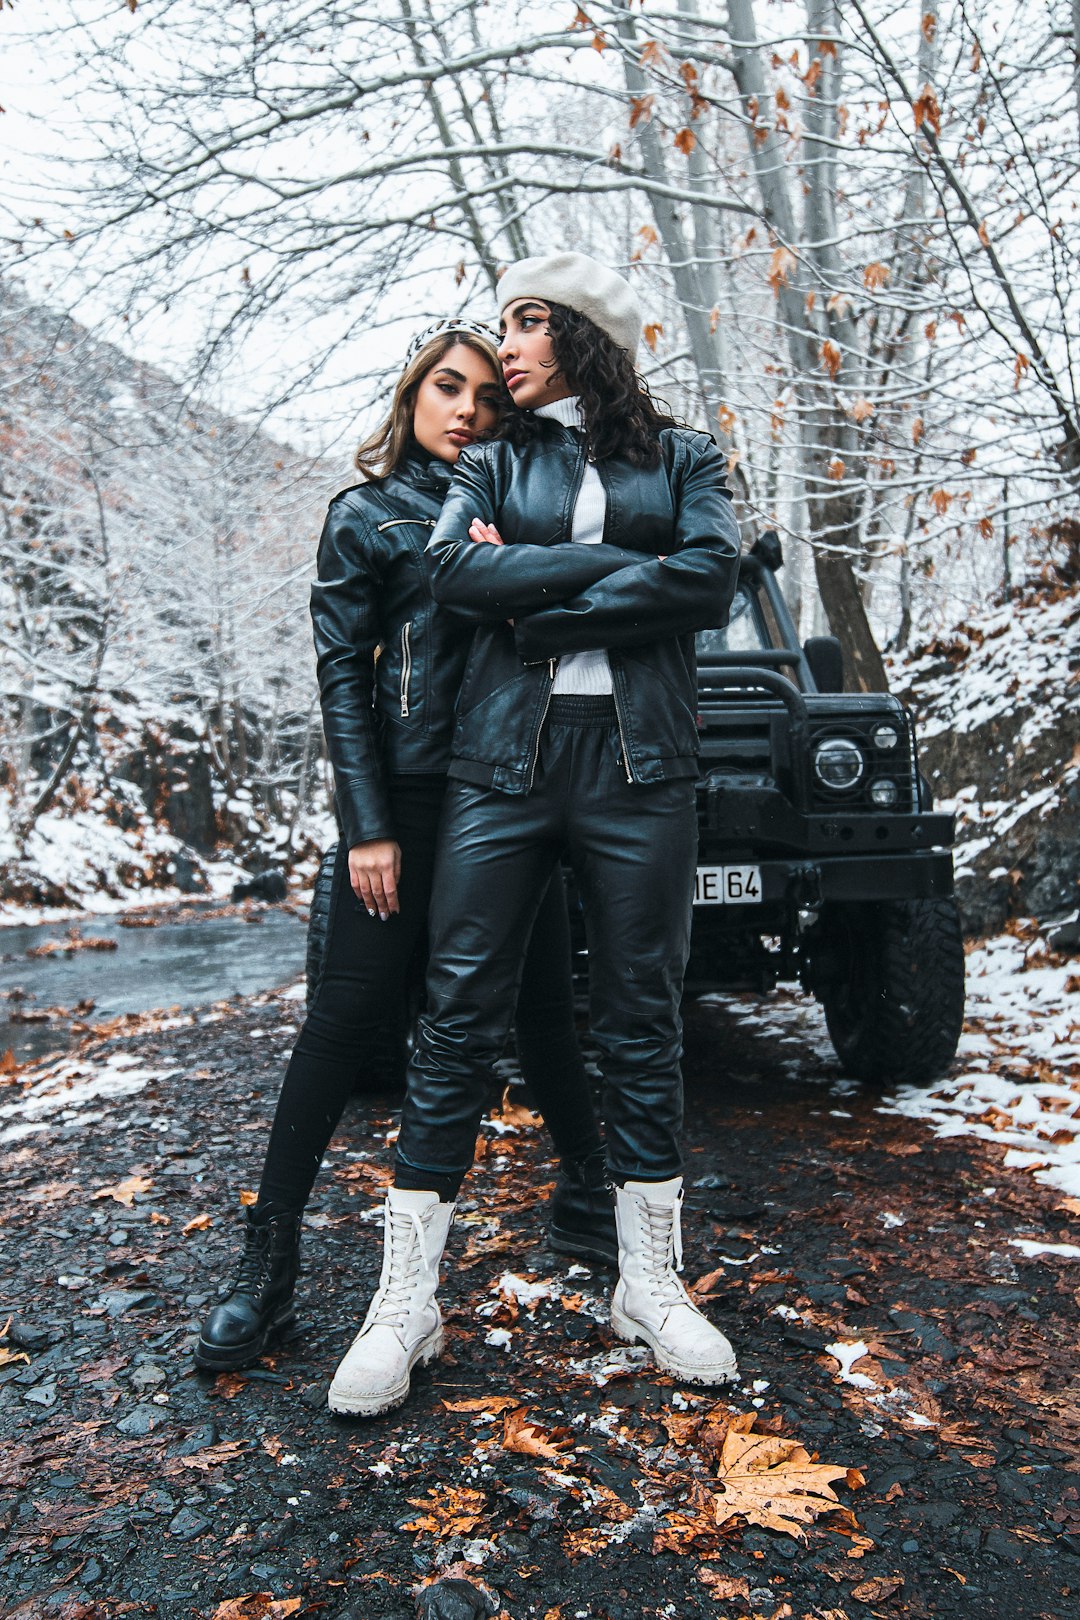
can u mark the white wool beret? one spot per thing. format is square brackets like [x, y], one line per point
[580, 283]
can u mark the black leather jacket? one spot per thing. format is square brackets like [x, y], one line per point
[390, 716]
[666, 568]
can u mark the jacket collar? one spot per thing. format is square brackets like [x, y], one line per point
[424, 471]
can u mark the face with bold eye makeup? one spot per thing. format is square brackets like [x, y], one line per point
[457, 403]
[528, 356]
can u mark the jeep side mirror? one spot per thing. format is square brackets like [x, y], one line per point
[826, 663]
[768, 550]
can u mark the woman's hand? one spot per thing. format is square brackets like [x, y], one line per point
[374, 870]
[486, 533]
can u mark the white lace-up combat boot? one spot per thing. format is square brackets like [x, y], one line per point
[403, 1324]
[650, 1304]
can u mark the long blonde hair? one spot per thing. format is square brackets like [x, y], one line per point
[383, 451]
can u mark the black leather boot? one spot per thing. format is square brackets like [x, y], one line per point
[582, 1211]
[258, 1306]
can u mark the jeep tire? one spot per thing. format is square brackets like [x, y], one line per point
[894, 990]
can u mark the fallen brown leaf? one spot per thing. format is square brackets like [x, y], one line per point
[903, 1150]
[702, 1289]
[772, 1482]
[447, 1512]
[256, 1606]
[198, 1223]
[124, 1191]
[878, 1588]
[521, 1435]
[248, 1197]
[492, 1404]
[723, 1586]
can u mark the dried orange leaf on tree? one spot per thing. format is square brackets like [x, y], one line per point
[124, 1191]
[771, 1481]
[781, 265]
[519, 1434]
[685, 141]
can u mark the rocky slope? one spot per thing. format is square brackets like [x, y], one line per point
[998, 704]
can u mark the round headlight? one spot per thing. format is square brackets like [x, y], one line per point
[838, 763]
[883, 793]
[884, 737]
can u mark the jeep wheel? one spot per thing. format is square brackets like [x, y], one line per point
[893, 989]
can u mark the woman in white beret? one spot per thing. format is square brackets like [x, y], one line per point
[593, 537]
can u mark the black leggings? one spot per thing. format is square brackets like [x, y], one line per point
[364, 971]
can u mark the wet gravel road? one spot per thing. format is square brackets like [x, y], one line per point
[134, 1485]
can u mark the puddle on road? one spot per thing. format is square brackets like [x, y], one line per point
[187, 963]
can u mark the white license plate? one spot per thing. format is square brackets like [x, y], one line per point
[728, 886]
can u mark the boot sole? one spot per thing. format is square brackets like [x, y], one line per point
[230, 1358]
[630, 1332]
[387, 1400]
[583, 1248]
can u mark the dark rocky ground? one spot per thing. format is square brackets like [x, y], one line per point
[133, 1485]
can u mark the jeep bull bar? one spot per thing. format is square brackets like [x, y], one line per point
[838, 855]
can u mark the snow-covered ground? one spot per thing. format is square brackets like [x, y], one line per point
[1017, 1079]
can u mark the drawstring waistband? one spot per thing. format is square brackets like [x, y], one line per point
[574, 709]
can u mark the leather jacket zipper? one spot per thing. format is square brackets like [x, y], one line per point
[406, 665]
[622, 733]
[395, 523]
[553, 664]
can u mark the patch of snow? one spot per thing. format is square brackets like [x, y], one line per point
[847, 1355]
[501, 1338]
[59, 1093]
[1030, 1247]
[519, 1289]
[1020, 1081]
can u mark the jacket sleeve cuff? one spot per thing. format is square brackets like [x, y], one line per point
[363, 811]
[529, 641]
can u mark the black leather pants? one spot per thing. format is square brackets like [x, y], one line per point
[633, 850]
[367, 964]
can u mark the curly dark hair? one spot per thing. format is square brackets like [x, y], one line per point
[621, 416]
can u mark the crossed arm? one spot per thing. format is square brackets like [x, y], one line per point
[572, 598]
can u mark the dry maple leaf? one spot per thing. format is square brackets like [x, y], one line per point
[256, 1606]
[124, 1191]
[772, 1482]
[198, 1223]
[447, 1512]
[521, 1435]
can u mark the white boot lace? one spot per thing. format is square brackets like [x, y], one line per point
[662, 1252]
[397, 1295]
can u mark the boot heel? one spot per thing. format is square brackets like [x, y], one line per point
[286, 1327]
[434, 1350]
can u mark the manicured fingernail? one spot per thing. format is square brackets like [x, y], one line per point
[384, 916]
[370, 912]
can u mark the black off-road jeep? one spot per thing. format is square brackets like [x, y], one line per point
[821, 857]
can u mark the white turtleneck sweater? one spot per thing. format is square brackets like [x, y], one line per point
[585, 673]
